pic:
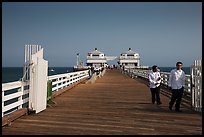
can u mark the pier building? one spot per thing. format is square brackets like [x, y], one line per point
[129, 59]
[96, 59]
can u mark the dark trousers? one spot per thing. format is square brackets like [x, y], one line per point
[155, 93]
[176, 96]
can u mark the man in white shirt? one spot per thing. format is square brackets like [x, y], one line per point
[176, 84]
[154, 81]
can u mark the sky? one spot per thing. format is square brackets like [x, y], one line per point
[161, 32]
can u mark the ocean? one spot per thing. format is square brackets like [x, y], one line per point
[11, 74]
[187, 70]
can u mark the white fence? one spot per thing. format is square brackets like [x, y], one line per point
[164, 77]
[63, 80]
[19, 90]
[19, 94]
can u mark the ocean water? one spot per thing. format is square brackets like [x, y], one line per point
[187, 70]
[11, 74]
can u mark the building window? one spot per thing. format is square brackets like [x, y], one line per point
[130, 55]
[95, 55]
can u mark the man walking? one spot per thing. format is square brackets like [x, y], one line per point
[176, 84]
[155, 80]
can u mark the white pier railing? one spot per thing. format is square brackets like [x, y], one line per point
[61, 81]
[15, 95]
[164, 77]
[18, 96]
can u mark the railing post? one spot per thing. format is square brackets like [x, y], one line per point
[2, 103]
[21, 97]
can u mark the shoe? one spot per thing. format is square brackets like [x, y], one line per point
[170, 108]
[158, 103]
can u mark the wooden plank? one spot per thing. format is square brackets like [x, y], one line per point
[6, 120]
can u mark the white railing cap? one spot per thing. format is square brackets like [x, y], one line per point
[66, 74]
[11, 85]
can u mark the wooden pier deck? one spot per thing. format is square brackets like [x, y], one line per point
[114, 104]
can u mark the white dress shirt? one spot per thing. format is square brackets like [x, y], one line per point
[153, 79]
[177, 79]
